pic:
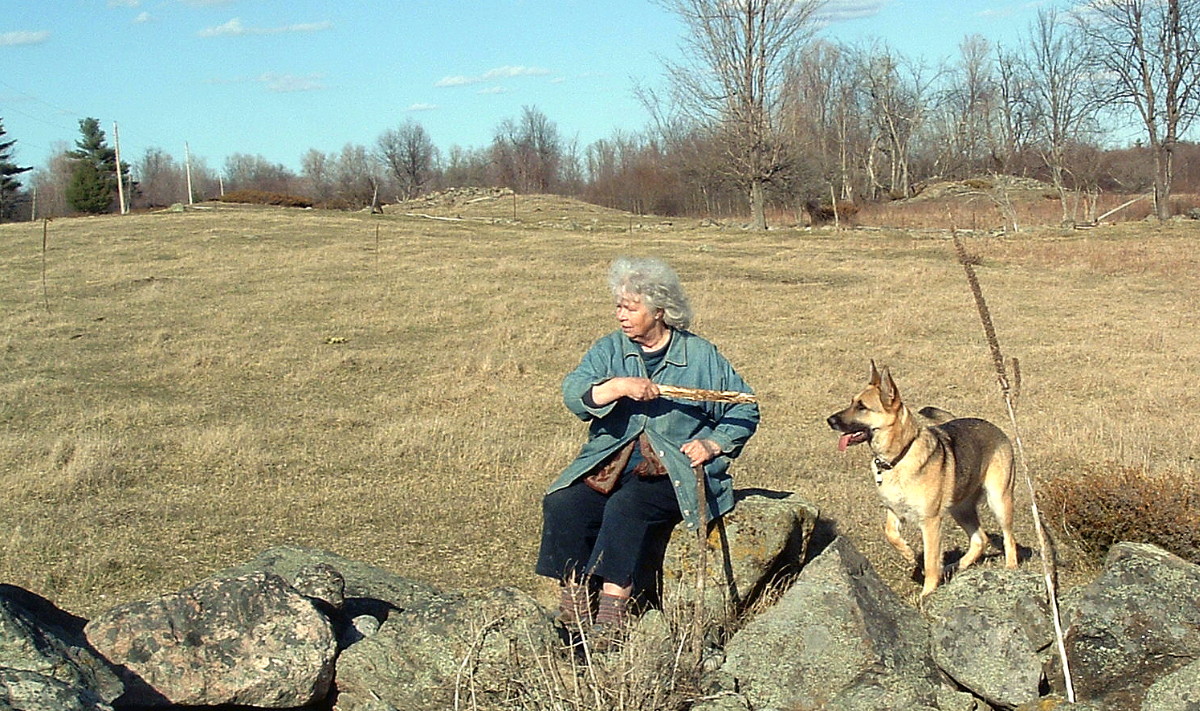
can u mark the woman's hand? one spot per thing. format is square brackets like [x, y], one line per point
[700, 451]
[633, 388]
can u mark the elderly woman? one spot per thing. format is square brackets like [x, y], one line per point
[634, 475]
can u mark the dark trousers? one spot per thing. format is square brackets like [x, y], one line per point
[586, 533]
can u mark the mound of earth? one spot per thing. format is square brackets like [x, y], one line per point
[1013, 185]
[500, 204]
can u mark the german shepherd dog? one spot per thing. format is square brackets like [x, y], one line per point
[923, 472]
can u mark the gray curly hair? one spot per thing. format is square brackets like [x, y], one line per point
[656, 283]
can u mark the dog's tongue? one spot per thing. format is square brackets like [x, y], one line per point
[851, 438]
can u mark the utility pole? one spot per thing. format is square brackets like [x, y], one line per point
[187, 162]
[120, 172]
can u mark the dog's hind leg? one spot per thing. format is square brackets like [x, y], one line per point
[891, 529]
[967, 516]
[998, 485]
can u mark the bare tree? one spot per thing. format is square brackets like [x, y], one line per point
[823, 118]
[247, 172]
[1016, 116]
[317, 168]
[1063, 110]
[50, 183]
[357, 176]
[527, 154]
[732, 79]
[897, 95]
[971, 104]
[468, 167]
[1144, 55]
[410, 157]
[161, 180]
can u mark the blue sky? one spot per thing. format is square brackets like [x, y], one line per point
[276, 78]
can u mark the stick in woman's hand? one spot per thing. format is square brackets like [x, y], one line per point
[683, 393]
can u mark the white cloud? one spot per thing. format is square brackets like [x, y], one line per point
[493, 90]
[142, 18]
[277, 83]
[13, 39]
[505, 72]
[235, 28]
[457, 81]
[844, 10]
[288, 83]
[124, 3]
[423, 107]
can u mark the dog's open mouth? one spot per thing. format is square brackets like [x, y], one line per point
[850, 439]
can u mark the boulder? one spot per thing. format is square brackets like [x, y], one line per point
[462, 646]
[322, 582]
[365, 588]
[1137, 623]
[250, 640]
[347, 591]
[838, 638]
[990, 629]
[24, 690]
[767, 533]
[1177, 691]
[38, 637]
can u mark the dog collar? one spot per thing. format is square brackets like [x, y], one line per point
[885, 465]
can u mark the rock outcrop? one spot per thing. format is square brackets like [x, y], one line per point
[44, 655]
[991, 633]
[765, 536]
[838, 638]
[456, 647]
[306, 628]
[1134, 625]
[250, 640]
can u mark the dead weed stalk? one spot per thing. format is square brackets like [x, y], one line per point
[1010, 390]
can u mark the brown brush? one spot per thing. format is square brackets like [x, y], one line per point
[683, 393]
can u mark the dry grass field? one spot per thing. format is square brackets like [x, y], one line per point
[182, 390]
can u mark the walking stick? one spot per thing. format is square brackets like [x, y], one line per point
[702, 563]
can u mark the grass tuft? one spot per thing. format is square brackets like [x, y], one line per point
[1110, 502]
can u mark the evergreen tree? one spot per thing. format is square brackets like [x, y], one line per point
[90, 189]
[93, 185]
[8, 184]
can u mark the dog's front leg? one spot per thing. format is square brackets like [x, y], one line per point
[931, 538]
[891, 529]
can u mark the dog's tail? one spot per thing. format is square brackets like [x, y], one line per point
[936, 414]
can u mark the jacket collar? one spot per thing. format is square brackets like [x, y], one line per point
[676, 349]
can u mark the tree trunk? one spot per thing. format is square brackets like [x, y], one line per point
[1162, 181]
[758, 212]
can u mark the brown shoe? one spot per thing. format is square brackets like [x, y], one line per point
[574, 605]
[612, 621]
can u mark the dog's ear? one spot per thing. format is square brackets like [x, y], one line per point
[889, 394]
[873, 379]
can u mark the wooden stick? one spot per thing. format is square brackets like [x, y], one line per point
[701, 563]
[682, 393]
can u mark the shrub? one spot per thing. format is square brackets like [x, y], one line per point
[978, 184]
[821, 213]
[1108, 504]
[262, 197]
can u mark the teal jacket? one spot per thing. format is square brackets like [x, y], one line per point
[690, 361]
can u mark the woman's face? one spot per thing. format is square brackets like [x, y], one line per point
[640, 323]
